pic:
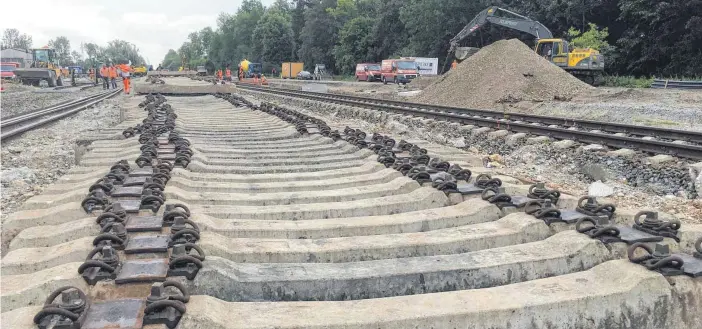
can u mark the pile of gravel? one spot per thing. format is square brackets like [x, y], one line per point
[507, 71]
[422, 82]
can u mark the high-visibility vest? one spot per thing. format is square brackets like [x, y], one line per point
[229, 73]
[112, 72]
[103, 72]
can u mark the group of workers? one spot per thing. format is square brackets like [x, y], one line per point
[109, 74]
[226, 75]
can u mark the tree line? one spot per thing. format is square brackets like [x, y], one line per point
[87, 55]
[639, 37]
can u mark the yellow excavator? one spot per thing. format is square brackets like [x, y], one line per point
[584, 63]
[44, 67]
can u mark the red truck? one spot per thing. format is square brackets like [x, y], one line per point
[368, 72]
[398, 70]
[7, 69]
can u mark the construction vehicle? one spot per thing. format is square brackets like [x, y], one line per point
[584, 63]
[201, 70]
[139, 71]
[320, 72]
[44, 67]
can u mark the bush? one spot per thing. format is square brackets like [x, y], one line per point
[627, 81]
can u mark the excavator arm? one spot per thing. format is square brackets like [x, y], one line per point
[505, 18]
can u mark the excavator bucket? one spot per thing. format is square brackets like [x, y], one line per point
[464, 52]
[33, 73]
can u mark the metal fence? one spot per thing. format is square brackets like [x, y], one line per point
[675, 84]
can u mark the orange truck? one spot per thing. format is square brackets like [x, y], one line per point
[398, 70]
[290, 70]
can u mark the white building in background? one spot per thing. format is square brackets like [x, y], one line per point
[22, 56]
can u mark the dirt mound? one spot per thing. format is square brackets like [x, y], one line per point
[507, 71]
[423, 81]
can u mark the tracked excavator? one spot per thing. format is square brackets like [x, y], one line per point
[584, 63]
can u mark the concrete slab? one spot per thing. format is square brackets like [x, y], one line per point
[50, 235]
[365, 168]
[198, 166]
[59, 214]
[29, 260]
[32, 289]
[167, 89]
[512, 229]
[592, 299]
[421, 198]
[561, 254]
[398, 186]
[379, 177]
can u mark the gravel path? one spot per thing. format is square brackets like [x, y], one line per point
[18, 99]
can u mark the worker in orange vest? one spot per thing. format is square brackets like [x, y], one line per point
[219, 74]
[454, 64]
[125, 70]
[104, 75]
[229, 74]
[112, 72]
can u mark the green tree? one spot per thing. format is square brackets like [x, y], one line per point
[355, 42]
[298, 22]
[12, 38]
[206, 36]
[171, 61]
[319, 35]
[273, 38]
[661, 38]
[388, 36]
[594, 38]
[62, 47]
[120, 50]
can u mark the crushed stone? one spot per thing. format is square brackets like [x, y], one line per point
[35, 159]
[635, 183]
[18, 99]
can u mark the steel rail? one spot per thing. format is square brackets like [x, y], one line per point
[28, 121]
[634, 130]
[559, 128]
[13, 120]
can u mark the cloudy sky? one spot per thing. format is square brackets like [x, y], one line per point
[153, 26]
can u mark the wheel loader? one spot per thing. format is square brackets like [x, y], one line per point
[44, 67]
[584, 63]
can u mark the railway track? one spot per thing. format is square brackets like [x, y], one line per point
[680, 143]
[298, 225]
[25, 122]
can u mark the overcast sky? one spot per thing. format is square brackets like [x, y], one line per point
[154, 26]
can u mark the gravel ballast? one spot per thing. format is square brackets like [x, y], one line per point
[506, 71]
[36, 158]
[18, 99]
[636, 183]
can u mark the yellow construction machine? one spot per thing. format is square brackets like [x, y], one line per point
[585, 63]
[44, 67]
[140, 71]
